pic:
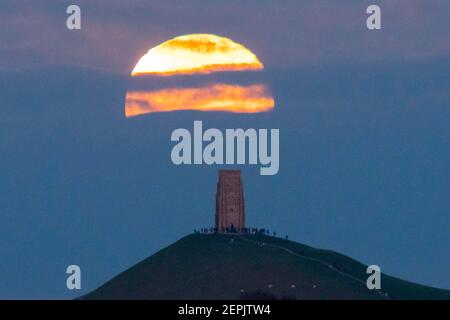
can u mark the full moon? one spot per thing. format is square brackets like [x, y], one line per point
[196, 53]
[200, 54]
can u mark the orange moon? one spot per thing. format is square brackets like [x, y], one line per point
[198, 54]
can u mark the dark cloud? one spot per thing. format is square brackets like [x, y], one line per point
[297, 33]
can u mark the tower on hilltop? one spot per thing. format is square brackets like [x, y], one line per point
[230, 209]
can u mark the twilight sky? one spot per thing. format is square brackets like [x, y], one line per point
[294, 34]
[364, 124]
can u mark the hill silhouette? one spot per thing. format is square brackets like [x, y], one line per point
[209, 266]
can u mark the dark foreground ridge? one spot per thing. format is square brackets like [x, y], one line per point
[201, 266]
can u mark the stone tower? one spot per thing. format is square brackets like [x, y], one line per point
[230, 210]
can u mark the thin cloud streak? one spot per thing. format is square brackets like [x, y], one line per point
[115, 35]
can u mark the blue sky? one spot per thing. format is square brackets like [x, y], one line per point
[364, 129]
[292, 34]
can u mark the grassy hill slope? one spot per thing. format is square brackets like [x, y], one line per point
[202, 266]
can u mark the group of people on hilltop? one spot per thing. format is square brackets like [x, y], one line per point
[233, 229]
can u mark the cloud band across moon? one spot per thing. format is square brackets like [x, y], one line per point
[193, 56]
